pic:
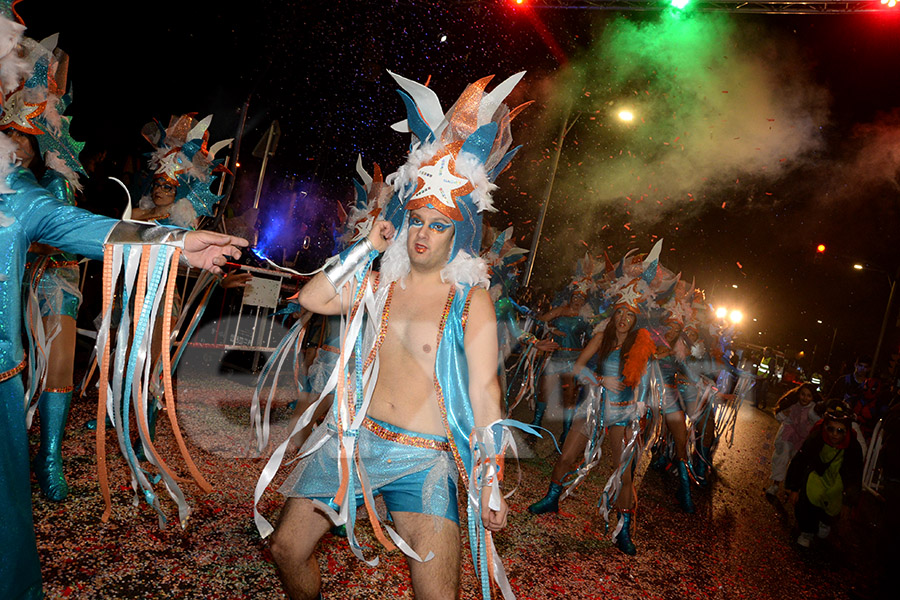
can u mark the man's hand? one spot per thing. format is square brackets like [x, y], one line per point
[493, 520]
[157, 213]
[546, 345]
[210, 251]
[235, 280]
[381, 235]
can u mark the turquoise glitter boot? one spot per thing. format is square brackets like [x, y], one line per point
[48, 464]
[539, 408]
[684, 487]
[550, 502]
[623, 540]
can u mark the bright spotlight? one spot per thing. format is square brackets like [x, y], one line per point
[736, 316]
[734, 285]
[626, 115]
[858, 267]
[721, 312]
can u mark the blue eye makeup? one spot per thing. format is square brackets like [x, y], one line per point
[436, 226]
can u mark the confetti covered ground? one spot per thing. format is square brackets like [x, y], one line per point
[737, 546]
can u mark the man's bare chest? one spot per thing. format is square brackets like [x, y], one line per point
[414, 324]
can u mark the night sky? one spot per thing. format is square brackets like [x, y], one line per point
[756, 137]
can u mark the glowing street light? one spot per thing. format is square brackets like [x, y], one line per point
[736, 316]
[721, 312]
[626, 115]
[858, 267]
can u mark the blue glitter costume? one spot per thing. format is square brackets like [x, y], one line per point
[413, 472]
[620, 408]
[57, 288]
[31, 214]
[574, 330]
[671, 368]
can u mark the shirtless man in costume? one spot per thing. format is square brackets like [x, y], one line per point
[436, 385]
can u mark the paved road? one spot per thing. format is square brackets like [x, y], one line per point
[737, 546]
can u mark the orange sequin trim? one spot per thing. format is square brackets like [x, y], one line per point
[13, 372]
[61, 390]
[405, 438]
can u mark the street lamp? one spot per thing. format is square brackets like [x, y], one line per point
[887, 309]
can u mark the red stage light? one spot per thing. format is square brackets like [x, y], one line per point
[820, 248]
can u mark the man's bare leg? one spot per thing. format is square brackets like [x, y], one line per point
[293, 546]
[437, 578]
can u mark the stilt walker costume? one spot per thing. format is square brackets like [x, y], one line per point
[453, 161]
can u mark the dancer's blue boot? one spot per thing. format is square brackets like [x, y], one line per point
[539, 409]
[53, 408]
[623, 540]
[684, 487]
[550, 502]
[660, 460]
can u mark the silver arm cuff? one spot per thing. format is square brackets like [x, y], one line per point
[339, 272]
[131, 232]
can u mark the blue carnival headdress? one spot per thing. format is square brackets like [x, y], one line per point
[181, 158]
[503, 259]
[454, 158]
[36, 106]
[636, 281]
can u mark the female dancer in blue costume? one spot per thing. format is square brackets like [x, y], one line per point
[44, 146]
[56, 283]
[617, 340]
[672, 368]
[569, 330]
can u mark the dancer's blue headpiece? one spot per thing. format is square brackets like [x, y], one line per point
[454, 158]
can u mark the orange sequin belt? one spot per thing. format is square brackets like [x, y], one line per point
[405, 438]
